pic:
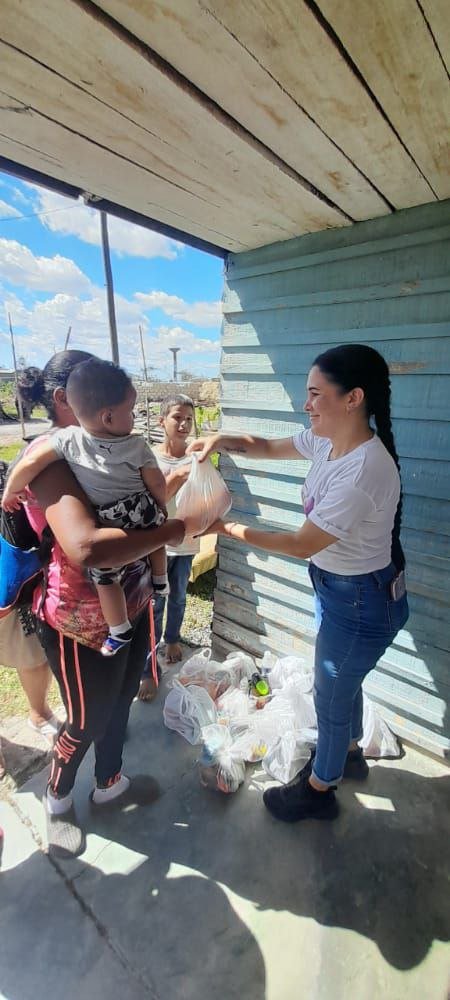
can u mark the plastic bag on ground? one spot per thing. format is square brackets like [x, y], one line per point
[193, 670]
[256, 735]
[221, 767]
[288, 755]
[234, 706]
[243, 664]
[378, 740]
[301, 704]
[287, 667]
[187, 710]
[204, 496]
[215, 677]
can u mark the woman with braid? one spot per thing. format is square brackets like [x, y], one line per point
[351, 536]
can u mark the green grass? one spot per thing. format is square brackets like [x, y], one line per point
[9, 451]
[13, 700]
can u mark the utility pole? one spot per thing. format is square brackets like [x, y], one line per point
[174, 351]
[19, 401]
[144, 362]
[109, 289]
[66, 342]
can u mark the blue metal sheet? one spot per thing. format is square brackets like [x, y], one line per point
[386, 283]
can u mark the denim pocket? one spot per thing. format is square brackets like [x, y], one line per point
[398, 613]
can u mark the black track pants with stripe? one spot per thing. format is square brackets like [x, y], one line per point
[97, 692]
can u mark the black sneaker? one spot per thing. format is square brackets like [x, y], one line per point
[356, 767]
[299, 800]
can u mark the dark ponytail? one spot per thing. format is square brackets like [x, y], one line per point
[36, 387]
[352, 366]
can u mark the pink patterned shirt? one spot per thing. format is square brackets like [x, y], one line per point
[69, 601]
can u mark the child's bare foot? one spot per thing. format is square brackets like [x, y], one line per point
[174, 652]
[147, 690]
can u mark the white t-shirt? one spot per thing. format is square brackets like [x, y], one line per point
[191, 545]
[354, 498]
[107, 469]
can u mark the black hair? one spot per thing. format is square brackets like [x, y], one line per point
[36, 387]
[176, 399]
[94, 385]
[352, 366]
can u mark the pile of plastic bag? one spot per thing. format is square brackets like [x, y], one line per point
[240, 713]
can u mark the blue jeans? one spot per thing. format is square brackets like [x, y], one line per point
[178, 572]
[357, 621]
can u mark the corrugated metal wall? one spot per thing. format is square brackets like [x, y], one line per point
[385, 283]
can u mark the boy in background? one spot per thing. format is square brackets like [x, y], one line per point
[177, 419]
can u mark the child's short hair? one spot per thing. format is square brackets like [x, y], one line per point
[177, 399]
[95, 385]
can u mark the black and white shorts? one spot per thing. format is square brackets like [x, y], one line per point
[138, 510]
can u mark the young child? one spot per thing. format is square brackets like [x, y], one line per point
[115, 467]
[177, 419]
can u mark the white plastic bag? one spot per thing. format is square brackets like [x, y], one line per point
[193, 670]
[215, 677]
[221, 767]
[204, 497]
[243, 664]
[301, 704]
[287, 667]
[187, 710]
[288, 755]
[378, 740]
[234, 706]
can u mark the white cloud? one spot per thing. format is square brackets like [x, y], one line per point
[42, 328]
[19, 196]
[177, 336]
[204, 314]
[19, 266]
[74, 218]
[8, 211]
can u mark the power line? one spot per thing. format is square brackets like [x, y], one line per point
[35, 215]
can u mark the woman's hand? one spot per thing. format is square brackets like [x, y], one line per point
[192, 527]
[204, 446]
[218, 527]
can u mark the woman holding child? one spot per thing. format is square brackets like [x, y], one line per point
[351, 535]
[97, 690]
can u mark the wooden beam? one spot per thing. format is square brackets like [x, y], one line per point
[226, 40]
[394, 50]
[214, 59]
[437, 15]
[119, 100]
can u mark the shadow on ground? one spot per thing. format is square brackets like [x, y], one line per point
[202, 894]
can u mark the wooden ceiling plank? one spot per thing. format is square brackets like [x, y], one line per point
[272, 204]
[286, 39]
[393, 48]
[218, 65]
[70, 107]
[28, 138]
[437, 13]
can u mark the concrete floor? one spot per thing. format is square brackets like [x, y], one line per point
[200, 895]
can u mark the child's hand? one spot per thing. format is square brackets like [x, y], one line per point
[11, 500]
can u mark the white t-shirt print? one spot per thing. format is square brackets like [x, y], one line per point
[354, 498]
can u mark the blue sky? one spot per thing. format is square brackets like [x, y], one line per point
[51, 277]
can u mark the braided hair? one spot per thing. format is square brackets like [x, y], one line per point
[352, 366]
